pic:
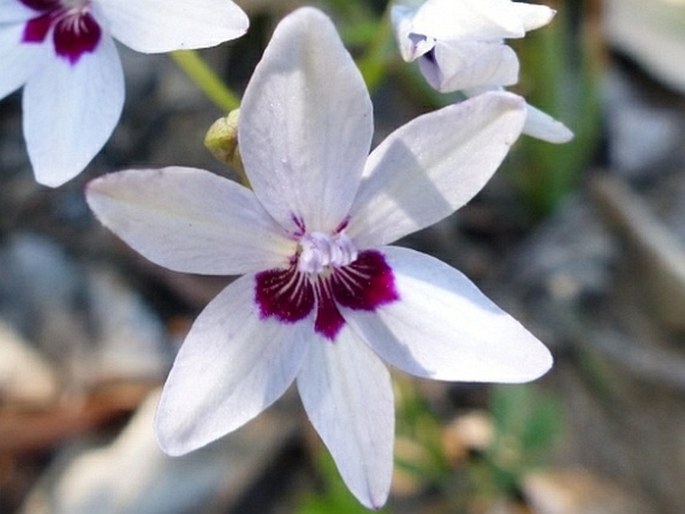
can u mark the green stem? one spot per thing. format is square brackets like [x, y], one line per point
[209, 82]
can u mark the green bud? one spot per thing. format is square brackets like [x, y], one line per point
[222, 141]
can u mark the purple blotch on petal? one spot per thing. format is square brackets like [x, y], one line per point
[290, 295]
[41, 5]
[37, 28]
[329, 321]
[366, 283]
[285, 294]
[362, 285]
[74, 37]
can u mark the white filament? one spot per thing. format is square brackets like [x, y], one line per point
[321, 251]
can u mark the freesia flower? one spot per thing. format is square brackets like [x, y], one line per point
[63, 53]
[459, 45]
[322, 298]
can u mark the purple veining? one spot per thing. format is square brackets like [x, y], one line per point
[328, 321]
[365, 284]
[286, 294]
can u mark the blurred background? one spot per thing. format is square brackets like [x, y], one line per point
[583, 242]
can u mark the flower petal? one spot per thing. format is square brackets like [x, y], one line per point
[538, 124]
[347, 394]
[231, 367]
[444, 328]
[151, 26]
[71, 110]
[190, 220]
[533, 16]
[411, 45]
[456, 65]
[468, 19]
[19, 60]
[419, 175]
[542, 126]
[14, 11]
[306, 124]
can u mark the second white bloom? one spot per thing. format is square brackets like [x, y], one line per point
[62, 53]
[460, 46]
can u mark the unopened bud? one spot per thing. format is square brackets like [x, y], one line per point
[222, 141]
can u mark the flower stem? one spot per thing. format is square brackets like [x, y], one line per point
[205, 78]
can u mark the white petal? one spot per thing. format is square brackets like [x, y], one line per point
[533, 16]
[71, 110]
[401, 18]
[347, 394]
[190, 220]
[12, 11]
[457, 65]
[152, 26]
[231, 367]
[542, 126]
[468, 19]
[443, 327]
[538, 124]
[433, 165]
[19, 60]
[411, 45]
[306, 124]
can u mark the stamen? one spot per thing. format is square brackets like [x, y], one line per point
[321, 252]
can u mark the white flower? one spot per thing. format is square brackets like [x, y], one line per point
[322, 297]
[459, 45]
[63, 54]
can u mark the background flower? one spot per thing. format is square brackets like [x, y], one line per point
[62, 51]
[459, 46]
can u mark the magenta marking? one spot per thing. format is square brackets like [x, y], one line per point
[366, 283]
[290, 295]
[286, 295]
[328, 321]
[41, 5]
[75, 32]
[299, 223]
[37, 28]
[342, 226]
[75, 37]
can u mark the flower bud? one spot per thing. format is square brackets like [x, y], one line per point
[222, 141]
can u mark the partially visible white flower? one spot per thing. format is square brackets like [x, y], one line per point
[63, 53]
[323, 298]
[459, 45]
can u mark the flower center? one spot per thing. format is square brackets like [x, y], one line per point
[326, 273]
[320, 252]
[74, 29]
